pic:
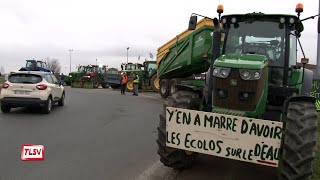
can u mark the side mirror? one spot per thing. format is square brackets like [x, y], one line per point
[193, 23]
[319, 25]
[299, 27]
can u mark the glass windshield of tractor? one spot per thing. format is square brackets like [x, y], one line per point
[259, 37]
[81, 69]
[152, 68]
[130, 67]
[39, 64]
[102, 70]
[29, 64]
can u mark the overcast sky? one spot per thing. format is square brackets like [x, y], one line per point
[102, 29]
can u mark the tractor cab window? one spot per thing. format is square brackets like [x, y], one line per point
[39, 64]
[151, 68]
[293, 50]
[29, 64]
[130, 67]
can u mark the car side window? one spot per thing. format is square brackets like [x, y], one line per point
[55, 80]
[49, 79]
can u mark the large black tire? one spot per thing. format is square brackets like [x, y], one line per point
[95, 82]
[61, 101]
[171, 157]
[5, 108]
[172, 86]
[164, 88]
[46, 109]
[155, 83]
[299, 141]
[105, 86]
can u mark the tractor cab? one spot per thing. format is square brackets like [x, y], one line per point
[256, 68]
[131, 66]
[34, 65]
[149, 68]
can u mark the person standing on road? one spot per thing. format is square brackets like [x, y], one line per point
[124, 80]
[135, 84]
[62, 79]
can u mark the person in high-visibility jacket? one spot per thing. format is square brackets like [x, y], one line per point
[135, 84]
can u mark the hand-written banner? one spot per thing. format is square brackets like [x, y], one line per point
[315, 92]
[240, 138]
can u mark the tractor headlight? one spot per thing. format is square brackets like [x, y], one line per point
[257, 75]
[282, 20]
[221, 72]
[245, 75]
[291, 20]
[215, 72]
[233, 20]
[224, 73]
[250, 74]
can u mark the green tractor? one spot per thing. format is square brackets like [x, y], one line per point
[76, 75]
[147, 73]
[254, 106]
[92, 77]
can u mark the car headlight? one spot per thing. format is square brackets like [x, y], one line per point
[224, 73]
[245, 75]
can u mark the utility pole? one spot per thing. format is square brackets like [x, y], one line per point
[70, 50]
[318, 47]
[96, 61]
[127, 55]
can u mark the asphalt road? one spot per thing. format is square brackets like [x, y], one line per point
[100, 134]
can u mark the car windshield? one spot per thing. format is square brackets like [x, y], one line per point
[257, 37]
[25, 78]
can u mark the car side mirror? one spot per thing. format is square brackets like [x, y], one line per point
[193, 23]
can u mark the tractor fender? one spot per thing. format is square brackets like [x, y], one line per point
[304, 98]
[307, 82]
[194, 89]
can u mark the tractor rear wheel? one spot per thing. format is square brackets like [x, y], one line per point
[95, 82]
[155, 83]
[164, 88]
[299, 141]
[129, 86]
[171, 157]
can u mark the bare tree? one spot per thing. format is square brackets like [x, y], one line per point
[53, 64]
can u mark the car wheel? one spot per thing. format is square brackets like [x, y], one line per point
[61, 102]
[5, 108]
[48, 106]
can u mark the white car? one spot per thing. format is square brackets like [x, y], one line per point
[31, 88]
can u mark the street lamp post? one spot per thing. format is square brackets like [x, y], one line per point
[96, 61]
[127, 55]
[318, 47]
[70, 50]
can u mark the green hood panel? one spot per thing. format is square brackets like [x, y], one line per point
[244, 61]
